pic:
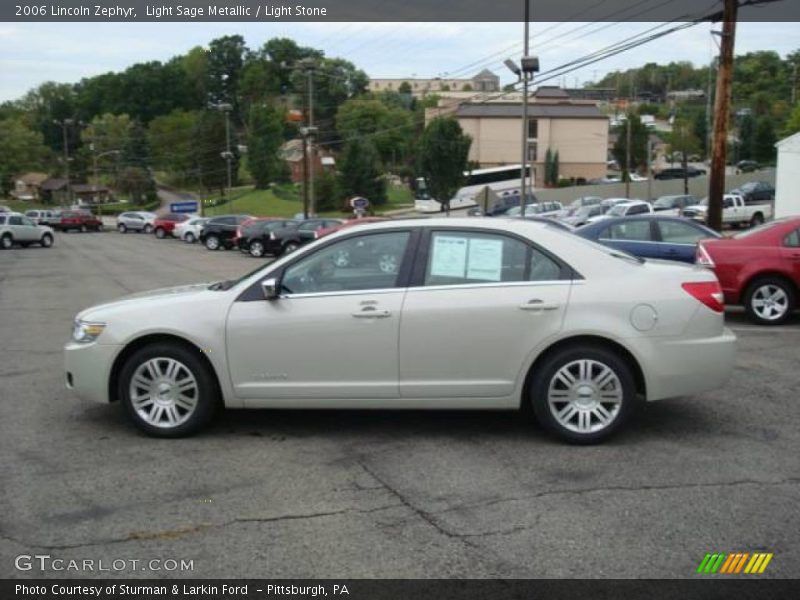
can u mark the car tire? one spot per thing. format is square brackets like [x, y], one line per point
[189, 238]
[168, 390]
[583, 394]
[6, 242]
[160, 233]
[758, 219]
[148, 229]
[212, 242]
[256, 249]
[290, 247]
[769, 301]
[121, 228]
[83, 229]
[46, 241]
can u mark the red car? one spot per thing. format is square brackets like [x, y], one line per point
[78, 220]
[165, 224]
[758, 269]
[349, 223]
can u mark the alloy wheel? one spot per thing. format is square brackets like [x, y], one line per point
[212, 243]
[770, 302]
[257, 249]
[585, 396]
[6, 242]
[163, 392]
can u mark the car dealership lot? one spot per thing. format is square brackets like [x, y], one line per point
[383, 494]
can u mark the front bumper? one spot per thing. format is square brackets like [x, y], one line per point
[87, 369]
[683, 367]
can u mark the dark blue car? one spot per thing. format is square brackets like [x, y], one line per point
[650, 236]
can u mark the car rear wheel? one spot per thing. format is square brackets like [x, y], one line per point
[212, 242]
[583, 394]
[256, 249]
[83, 228]
[769, 301]
[121, 228]
[148, 229]
[160, 233]
[167, 390]
[758, 219]
[290, 247]
[189, 238]
[6, 242]
[46, 241]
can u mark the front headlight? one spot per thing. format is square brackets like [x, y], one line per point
[85, 332]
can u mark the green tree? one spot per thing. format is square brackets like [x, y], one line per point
[209, 144]
[639, 135]
[548, 167]
[171, 139]
[106, 133]
[360, 172]
[327, 191]
[442, 155]
[404, 88]
[793, 123]
[555, 168]
[747, 131]
[389, 128]
[136, 183]
[264, 139]
[23, 149]
[226, 60]
[764, 140]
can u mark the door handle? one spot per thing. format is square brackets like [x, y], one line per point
[370, 312]
[538, 305]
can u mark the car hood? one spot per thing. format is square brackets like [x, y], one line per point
[163, 294]
[696, 207]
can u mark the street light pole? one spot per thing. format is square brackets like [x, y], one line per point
[64, 123]
[308, 66]
[227, 155]
[524, 161]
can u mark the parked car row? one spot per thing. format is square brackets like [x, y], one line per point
[66, 220]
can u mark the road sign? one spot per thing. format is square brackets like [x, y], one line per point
[185, 206]
[359, 203]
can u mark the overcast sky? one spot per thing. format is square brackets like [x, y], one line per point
[31, 53]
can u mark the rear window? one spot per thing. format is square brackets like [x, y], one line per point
[2, 220]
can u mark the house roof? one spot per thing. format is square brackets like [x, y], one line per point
[485, 73]
[550, 91]
[82, 188]
[535, 111]
[32, 178]
[53, 184]
[791, 143]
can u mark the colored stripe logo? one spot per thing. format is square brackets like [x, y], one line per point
[734, 563]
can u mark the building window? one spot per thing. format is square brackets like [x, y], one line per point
[532, 151]
[533, 129]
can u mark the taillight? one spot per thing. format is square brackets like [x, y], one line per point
[703, 258]
[707, 292]
[238, 233]
[272, 235]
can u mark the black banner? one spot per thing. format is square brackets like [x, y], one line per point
[739, 588]
[390, 10]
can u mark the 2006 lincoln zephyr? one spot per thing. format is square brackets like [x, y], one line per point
[438, 313]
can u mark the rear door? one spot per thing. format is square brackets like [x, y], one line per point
[790, 253]
[679, 240]
[481, 301]
[637, 236]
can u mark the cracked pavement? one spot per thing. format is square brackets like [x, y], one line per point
[373, 494]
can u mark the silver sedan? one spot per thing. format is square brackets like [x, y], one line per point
[416, 314]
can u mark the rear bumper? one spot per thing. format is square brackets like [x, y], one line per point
[683, 367]
[87, 368]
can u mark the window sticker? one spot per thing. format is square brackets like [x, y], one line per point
[449, 256]
[485, 259]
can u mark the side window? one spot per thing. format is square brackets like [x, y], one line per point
[28, 222]
[365, 262]
[15, 220]
[637, 209]
[456, 258]
[727, 203]
[793, 239]
[680, 233]
[638, 231]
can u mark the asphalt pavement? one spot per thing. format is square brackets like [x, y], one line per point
[372, 494]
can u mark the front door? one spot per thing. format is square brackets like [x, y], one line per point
[333, 332]
[484, 303]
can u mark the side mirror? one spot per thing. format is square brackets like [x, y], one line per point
[271, 288]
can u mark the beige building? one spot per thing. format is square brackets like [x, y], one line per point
[578, 131]
[485, 81]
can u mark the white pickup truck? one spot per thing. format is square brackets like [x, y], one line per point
[735, 211]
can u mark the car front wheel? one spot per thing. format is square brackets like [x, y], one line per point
[6, 242]
[46, 241]
[189, 238]
[212, 242]
[769, 301]
[167, 390]
[121, 228]
[256, 249]
[160, 233]
[148, 228]
[582, 394]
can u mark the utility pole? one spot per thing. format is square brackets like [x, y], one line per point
[308, 140]
[649, 169]
[227, 155]
[628, 155]
[709, 111]
[716, 186]
[64, 124]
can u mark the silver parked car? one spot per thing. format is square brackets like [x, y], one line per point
[16, 228]
[141, 221]
[434, 313]
[41, 217]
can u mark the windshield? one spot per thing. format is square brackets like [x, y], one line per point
[666, 202]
